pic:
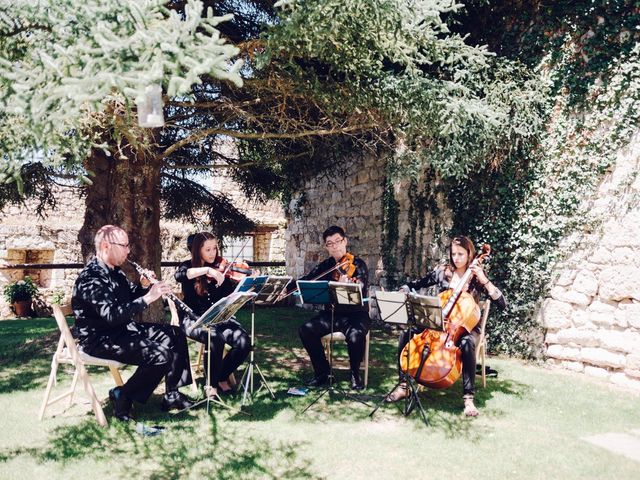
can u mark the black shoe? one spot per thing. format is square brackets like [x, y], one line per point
[318, 381]
[175, 401]
[121, 404]
[356, 382]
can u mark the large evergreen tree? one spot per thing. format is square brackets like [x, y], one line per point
[318, 80]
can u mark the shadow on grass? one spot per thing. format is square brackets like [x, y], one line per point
[25, 360]
[24, 376]
[196, 444]
[286, 364]
[219, 444]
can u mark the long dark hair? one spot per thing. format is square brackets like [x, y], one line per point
[197, 261]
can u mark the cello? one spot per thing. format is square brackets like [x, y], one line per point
[433, 357]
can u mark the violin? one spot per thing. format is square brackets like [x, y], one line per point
[345, 266]
[433, 357]
[235, 271]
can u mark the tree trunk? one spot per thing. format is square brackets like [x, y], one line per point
[126, 192]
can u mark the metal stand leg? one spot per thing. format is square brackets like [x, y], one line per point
[247, 377]
[210, 398]
[331, 388]
[412, 399]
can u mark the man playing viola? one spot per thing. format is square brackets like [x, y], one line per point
[353, 321]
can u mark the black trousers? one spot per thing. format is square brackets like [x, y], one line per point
[467, 345]
[158, 350]
[230, 333]
[354, 326]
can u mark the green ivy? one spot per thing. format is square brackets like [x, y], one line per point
[529, 207]
[389, 225]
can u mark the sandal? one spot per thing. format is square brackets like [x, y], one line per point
[399, 393]
[470, 409]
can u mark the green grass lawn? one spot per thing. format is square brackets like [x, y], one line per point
[531, 425]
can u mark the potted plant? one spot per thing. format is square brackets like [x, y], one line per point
[58, 298]
[20, 294]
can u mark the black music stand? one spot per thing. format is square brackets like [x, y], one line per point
[220, 311]
[267, 289]
[411, 310]
[332, 294]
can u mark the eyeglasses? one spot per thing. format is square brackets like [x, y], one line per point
[333, 244]
[125, 245]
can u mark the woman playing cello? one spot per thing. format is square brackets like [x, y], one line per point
[461, 254]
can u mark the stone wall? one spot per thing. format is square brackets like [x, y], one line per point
[592, 315]
[269, 237]
[354, 202]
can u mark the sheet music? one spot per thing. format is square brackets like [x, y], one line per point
[393, 307]
[251, 284]
[223, 309]
[347, 293]
[272, 288]
[426, 311]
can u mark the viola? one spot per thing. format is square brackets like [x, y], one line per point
[235, 271]
[432, 357]
[345, 266]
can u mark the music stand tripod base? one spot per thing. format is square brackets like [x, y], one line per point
[209, 399]
[246, 381]
[269, 290]
[419, 310]
[410, 401]
[332, 387]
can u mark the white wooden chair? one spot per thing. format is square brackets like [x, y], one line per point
[481, 347]
[326, 343]
[68, 353]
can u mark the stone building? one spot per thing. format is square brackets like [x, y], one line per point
[26, 238]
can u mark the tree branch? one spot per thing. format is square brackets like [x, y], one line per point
[264, 135]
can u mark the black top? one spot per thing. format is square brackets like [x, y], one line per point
[441, 277]
[199, 304]
[104, 301]
[361, 274]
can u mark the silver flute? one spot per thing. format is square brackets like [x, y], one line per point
[183, 306]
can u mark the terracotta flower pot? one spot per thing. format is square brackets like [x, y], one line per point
[22, 308]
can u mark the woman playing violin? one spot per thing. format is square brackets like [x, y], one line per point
[203, 284]
[352, 321]
[461, 253]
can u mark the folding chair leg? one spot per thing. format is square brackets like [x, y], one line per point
[194, 384]
[74, 384]
[91, 393]
[366, 362]
[50, 384]
[115, 373]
